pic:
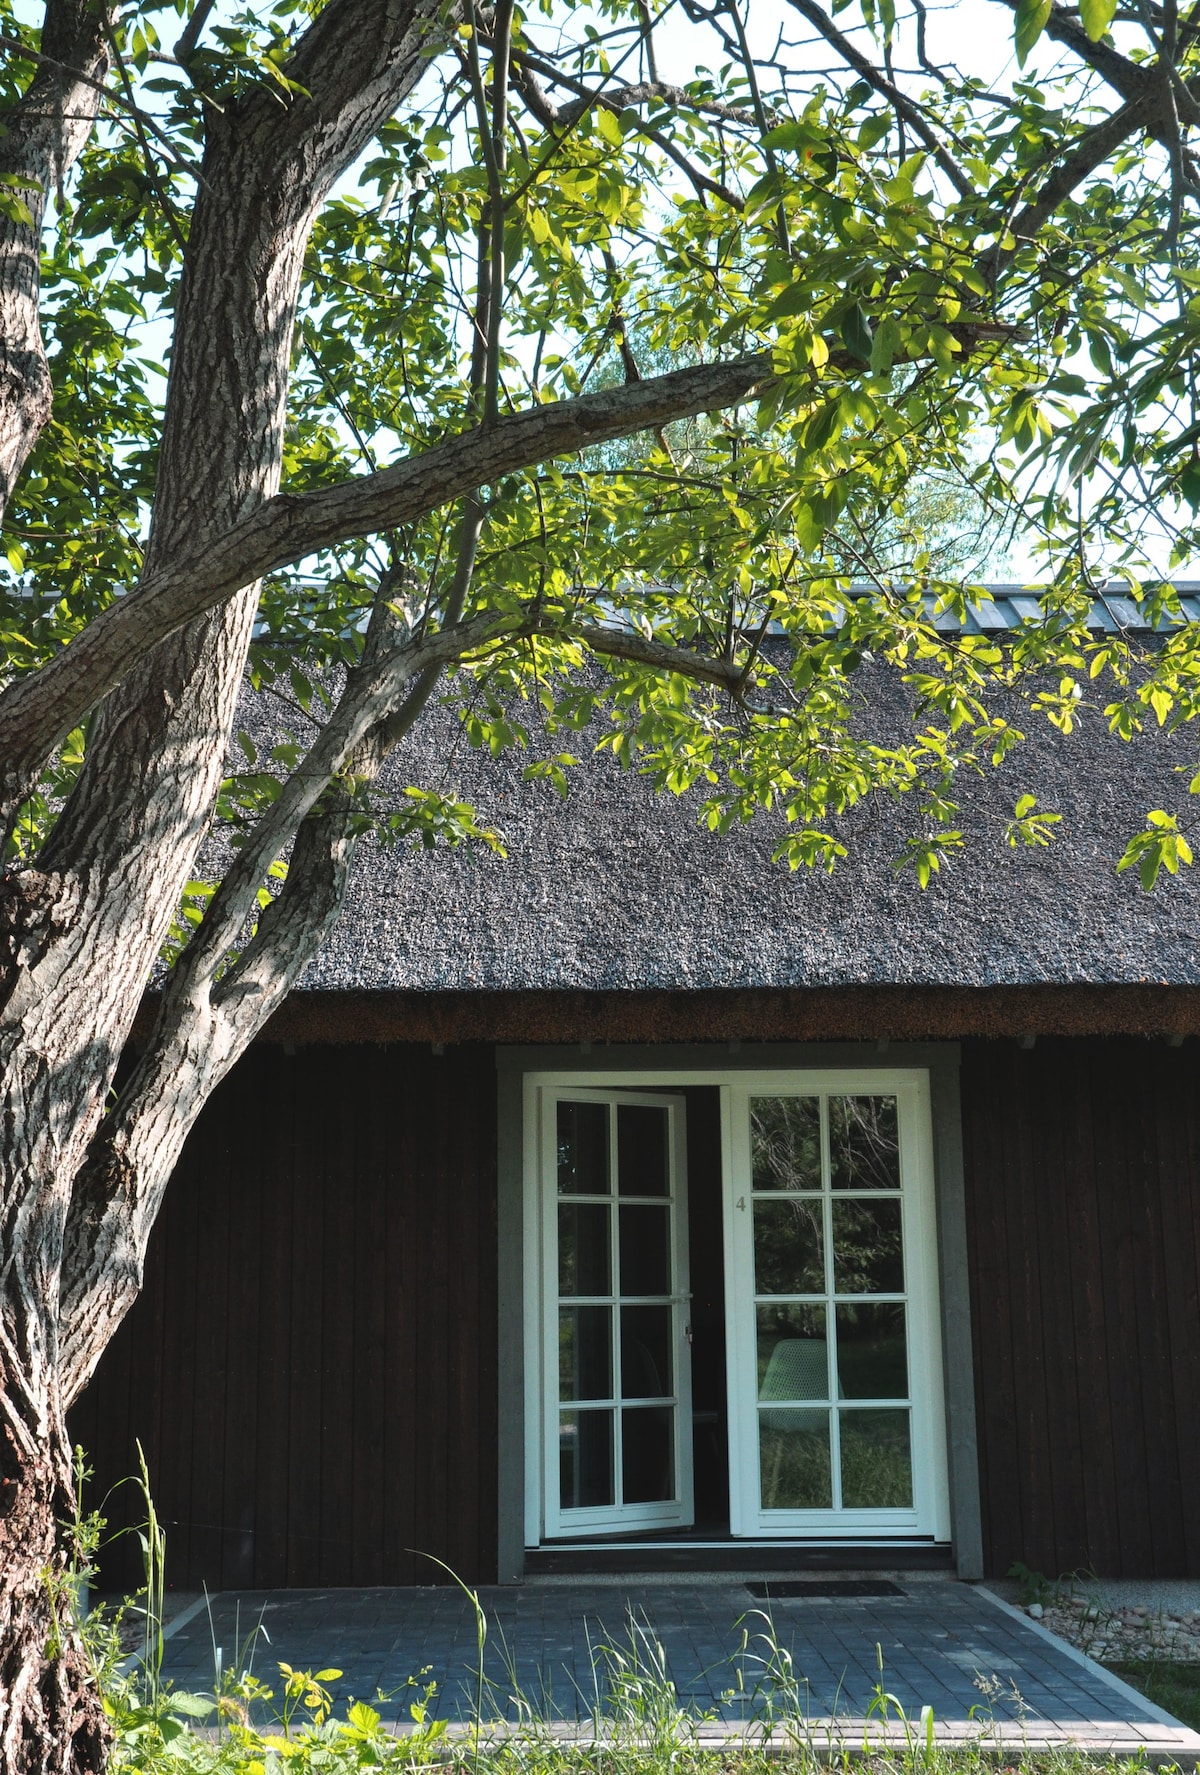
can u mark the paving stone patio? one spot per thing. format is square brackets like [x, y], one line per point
[942, 1644]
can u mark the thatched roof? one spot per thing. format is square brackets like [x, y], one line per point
[618, 888]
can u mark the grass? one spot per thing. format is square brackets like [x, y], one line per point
[1173, 1686]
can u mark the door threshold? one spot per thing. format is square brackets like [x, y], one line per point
[757, 1558]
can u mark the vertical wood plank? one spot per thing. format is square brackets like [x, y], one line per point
[273, 1350]
[372, 1404]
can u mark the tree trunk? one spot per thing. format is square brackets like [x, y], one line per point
[42, 137]
[79, 934]
[51, 1716]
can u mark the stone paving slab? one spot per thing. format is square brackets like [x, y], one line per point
[975, 1661]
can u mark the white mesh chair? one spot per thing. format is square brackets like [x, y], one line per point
[798, 1371]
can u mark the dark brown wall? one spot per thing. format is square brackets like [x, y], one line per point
[312, 1365]
[1083, 1193]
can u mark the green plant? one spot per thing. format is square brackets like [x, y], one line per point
[1036, 1587]
[777, 1697]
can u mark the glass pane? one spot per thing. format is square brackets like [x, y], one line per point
[645, 1259]
[585, 1459]
[867, 1255]
[642, 1151]
[648, 1454]
[646, 1353]
[793, 1455]
[583, 1265]
[872, 1360]
[876, 1461]
[583, 1149]
[864, 1143]
[793, 1356]
[789, 1251]
[585, 1353]
[785, 1142]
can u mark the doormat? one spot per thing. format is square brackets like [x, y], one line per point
[817, 1588]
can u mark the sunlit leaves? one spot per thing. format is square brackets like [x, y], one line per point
[1039, 370]
[1031, 16]
[1160, 846]
[1030, 825]
[1097, 15]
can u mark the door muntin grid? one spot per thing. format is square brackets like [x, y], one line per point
[833, 1395]
[615, 1289]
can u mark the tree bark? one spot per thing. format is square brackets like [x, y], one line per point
[79, 935]
[42, 138]
[51, 1715]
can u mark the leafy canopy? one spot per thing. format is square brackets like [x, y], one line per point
[985, 284]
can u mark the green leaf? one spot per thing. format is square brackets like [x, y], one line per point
[1030, 23]
[1097, 16]
[856, 333]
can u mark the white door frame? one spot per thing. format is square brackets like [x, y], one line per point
[933, 1510]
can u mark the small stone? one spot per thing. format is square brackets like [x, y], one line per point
[1036, 1610]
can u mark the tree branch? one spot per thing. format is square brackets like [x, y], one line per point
[901, 104]
[1125, 77]
[44, 132]
[118, 1190]
[1091, 150]
[141, 118]
[202, 1028]
[36, 712]
[371, 698]
[630, 644]
[524, 67]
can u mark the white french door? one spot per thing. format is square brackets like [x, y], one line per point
[616, 1402]
[833, 1350]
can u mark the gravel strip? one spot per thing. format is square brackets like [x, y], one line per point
[1105, 1628]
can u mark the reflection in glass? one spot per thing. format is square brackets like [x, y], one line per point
[864, 1143]
[867, 1253]
[876, 1460]
[648, 1454]
[872, 1361]
[646, 1353]
[793, 1358]
[789, 1253]
[583, 1265]
[793, 1456]
[585, 1353]
[645, 1256]
[583, 1149]
[642, 1150]
[785, 1142]
[585, 1459]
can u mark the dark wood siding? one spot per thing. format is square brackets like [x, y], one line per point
[1083, 1203]
[311, 1368]
[312, 1365]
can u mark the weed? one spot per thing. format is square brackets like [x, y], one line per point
[1036, 1587]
